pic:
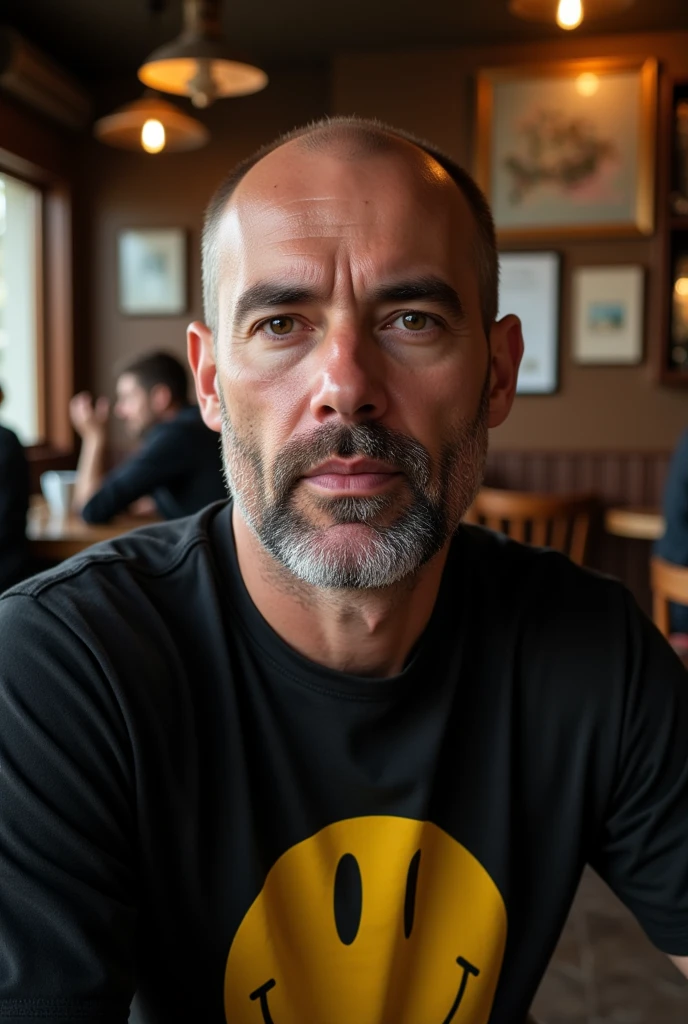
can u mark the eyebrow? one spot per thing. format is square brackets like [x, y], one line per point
[269, 295]
[273, 295]
[432, 289]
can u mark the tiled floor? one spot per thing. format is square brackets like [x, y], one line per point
[605, 971]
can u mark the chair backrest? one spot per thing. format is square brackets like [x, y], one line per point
[669, 582]
[560, 521]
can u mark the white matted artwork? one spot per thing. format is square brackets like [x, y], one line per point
[152, 271]
[608, 315]
[529, 287]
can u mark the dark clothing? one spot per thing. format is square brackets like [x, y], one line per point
[171, 768]
[14, 505]
[673, 546]
[179, 464]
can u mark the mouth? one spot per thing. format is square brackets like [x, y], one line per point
[352, 477]
[467, 968]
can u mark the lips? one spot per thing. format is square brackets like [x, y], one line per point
[351, 467]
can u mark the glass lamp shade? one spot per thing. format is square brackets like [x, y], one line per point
[123, 127]
[546, 10]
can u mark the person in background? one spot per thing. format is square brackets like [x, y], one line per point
[178, 462]
[673, 545]
[14, 504]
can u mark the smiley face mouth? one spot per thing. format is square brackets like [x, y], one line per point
[467, 968]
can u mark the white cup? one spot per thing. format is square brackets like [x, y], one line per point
[58, 490]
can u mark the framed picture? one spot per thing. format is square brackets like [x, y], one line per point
[568, 149]
[608, 315]
[529, 287]
[152, 271]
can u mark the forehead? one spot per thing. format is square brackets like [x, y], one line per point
[127, 383]
[387, 207]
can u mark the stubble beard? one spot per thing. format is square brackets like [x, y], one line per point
[388, 548]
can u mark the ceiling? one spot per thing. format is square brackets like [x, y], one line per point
[105, 39]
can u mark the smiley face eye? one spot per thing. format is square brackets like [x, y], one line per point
[348, 898]
[411, 887]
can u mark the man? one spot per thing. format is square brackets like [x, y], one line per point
[14, 505]
[321, 754]
[178, 462]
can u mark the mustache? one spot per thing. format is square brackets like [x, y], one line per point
[366, 440]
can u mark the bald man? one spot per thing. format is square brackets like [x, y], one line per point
[323, 755]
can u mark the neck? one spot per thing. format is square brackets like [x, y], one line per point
[363, 632]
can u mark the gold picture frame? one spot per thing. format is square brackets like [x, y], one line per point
[568, 148]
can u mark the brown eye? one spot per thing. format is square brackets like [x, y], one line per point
[281, 325]
[414, 321]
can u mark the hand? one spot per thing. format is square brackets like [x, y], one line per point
[89, 420]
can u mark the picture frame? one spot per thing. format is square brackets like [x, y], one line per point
[567, 149]
[530, 288]
[152, 271]
[607, 315]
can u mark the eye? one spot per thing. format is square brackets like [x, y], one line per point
[414, 321]
[410, 900]
[348, 898]
[279, 325]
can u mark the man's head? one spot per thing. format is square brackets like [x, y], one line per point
[149, 390]
[351, 358]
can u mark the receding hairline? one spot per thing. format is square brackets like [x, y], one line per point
[355, 138]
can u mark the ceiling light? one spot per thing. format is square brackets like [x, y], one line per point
[199, 63]
[151, 124]
[567, 14]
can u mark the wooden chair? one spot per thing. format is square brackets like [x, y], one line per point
[669, 582]
[560, 521]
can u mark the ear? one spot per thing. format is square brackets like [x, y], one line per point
[506, 352]
[201, 354]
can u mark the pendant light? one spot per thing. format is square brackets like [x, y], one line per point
[199, 63]
[567, 14]
[153, 125]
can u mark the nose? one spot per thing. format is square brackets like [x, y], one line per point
[349, 378]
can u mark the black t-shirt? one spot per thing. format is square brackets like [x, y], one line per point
[191, 809]
[179, 463]
[14, 504]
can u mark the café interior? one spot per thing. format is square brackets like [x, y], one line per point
[573, 117]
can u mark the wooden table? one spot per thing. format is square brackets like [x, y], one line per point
[55, 538]
[635, 522]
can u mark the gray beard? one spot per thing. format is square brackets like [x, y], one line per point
[383, 555]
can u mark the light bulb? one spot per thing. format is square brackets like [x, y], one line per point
[153, 135]
[587, 84]
[681, 287]
[569, 13]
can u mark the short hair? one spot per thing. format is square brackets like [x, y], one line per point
[159, 368]
[362, 137]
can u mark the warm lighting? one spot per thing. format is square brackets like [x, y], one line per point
[198, 64]
[587, 84]
[153, 135]
[151, 124]
[569, 13]
[681, 286]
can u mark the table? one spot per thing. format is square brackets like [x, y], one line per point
[635, 522]
[55, 538]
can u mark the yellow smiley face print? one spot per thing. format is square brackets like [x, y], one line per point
[375, 920]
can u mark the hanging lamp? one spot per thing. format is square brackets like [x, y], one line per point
[568, 14]
[153, 125]
[199, 63]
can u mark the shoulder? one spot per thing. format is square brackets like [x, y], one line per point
[120, 576]
[9, 442]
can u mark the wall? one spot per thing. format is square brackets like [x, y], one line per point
[431, 93]
[126, 189]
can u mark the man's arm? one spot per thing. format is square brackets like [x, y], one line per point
[642, 850]
[90, 422]
[67, 827]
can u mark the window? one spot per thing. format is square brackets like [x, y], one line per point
[21, 307]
